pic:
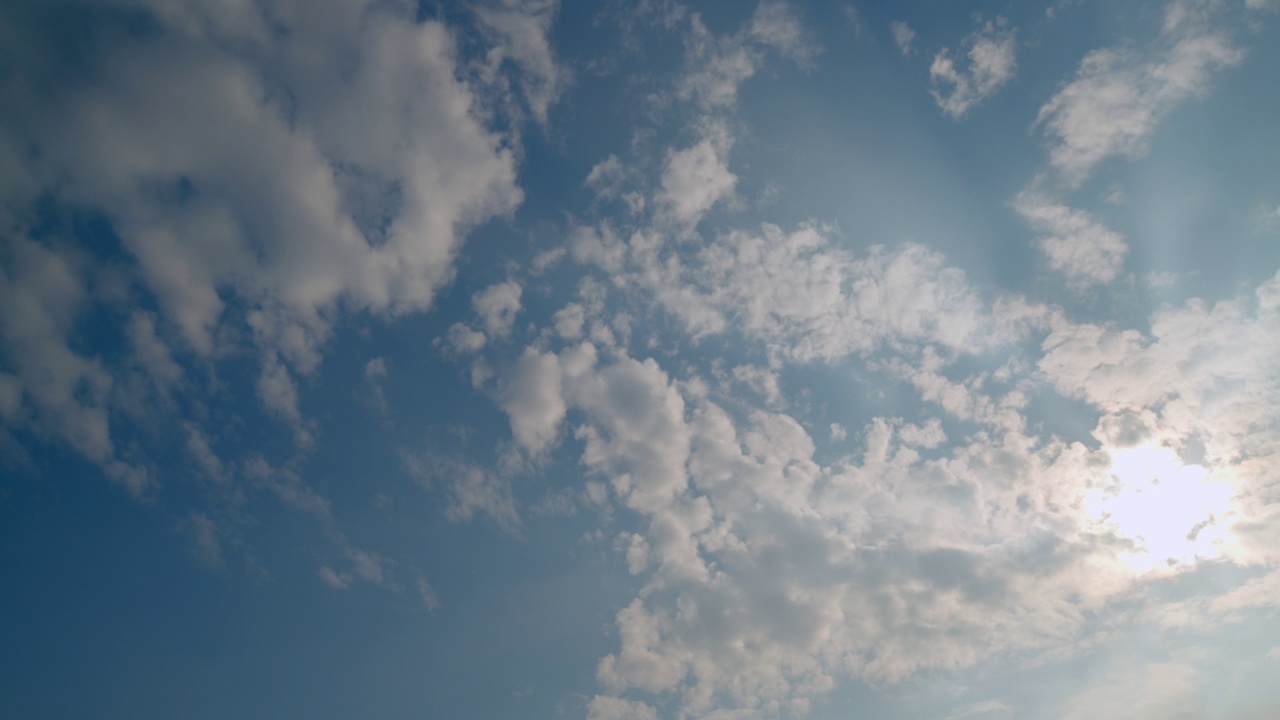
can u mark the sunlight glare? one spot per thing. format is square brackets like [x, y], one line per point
[1174, 512]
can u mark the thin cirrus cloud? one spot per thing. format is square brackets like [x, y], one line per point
[449, 329]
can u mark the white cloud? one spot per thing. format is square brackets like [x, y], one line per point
[903, 36]
[473, 489]
[1073, 242]
[721, 65]
[533, 400]
[759, 561]
[497, 306]
[200, 450]
[1118, 95]
[607, 177]
[428, 595]
[769, 576]
[362, 566]
[696, 178]
[1206, 373]
[41, 294]
[364, 185]
[152, 354]
[1269, 219]
[762, 381]
[463, 340]
[520, 28]
[604, 707]
[991, 65]
[569, 320]
[775, 25]
[288, 486]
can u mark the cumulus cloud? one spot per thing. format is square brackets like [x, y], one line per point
[696, 178]
[1119, 94]
[266, 172]
[770, 575]
[364, 184]
[991, 64]
[759, 561]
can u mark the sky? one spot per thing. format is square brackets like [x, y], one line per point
[638, 360]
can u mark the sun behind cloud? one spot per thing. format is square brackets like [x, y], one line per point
[1175, 514]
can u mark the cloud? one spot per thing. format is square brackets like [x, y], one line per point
[472, 490]
[497, 306]
[604, 707]
[520, 29]
[721, 65]
[1074, 243]
[1119, 95]
[769, 575]
[696, 178]
[365, 181]
[428, 595]
[991, 66]
[205, 543]
[41, 294]
[903, 36]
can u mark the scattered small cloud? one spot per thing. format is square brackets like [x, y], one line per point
[991, 64]
[1085, 251]
[903, 36]
[1120, 94]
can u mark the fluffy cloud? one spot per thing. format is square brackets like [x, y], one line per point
[241, 213]
[1119, 95]
[1074, 243]
[41, 294]
[696, 178]
[799, 294]
[769, 575]
[991, 65]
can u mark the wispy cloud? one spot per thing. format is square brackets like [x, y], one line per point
[1120, 94]
[990, 52]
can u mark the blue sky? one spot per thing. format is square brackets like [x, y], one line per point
[639, 360]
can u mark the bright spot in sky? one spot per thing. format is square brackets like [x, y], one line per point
[1175, 513]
